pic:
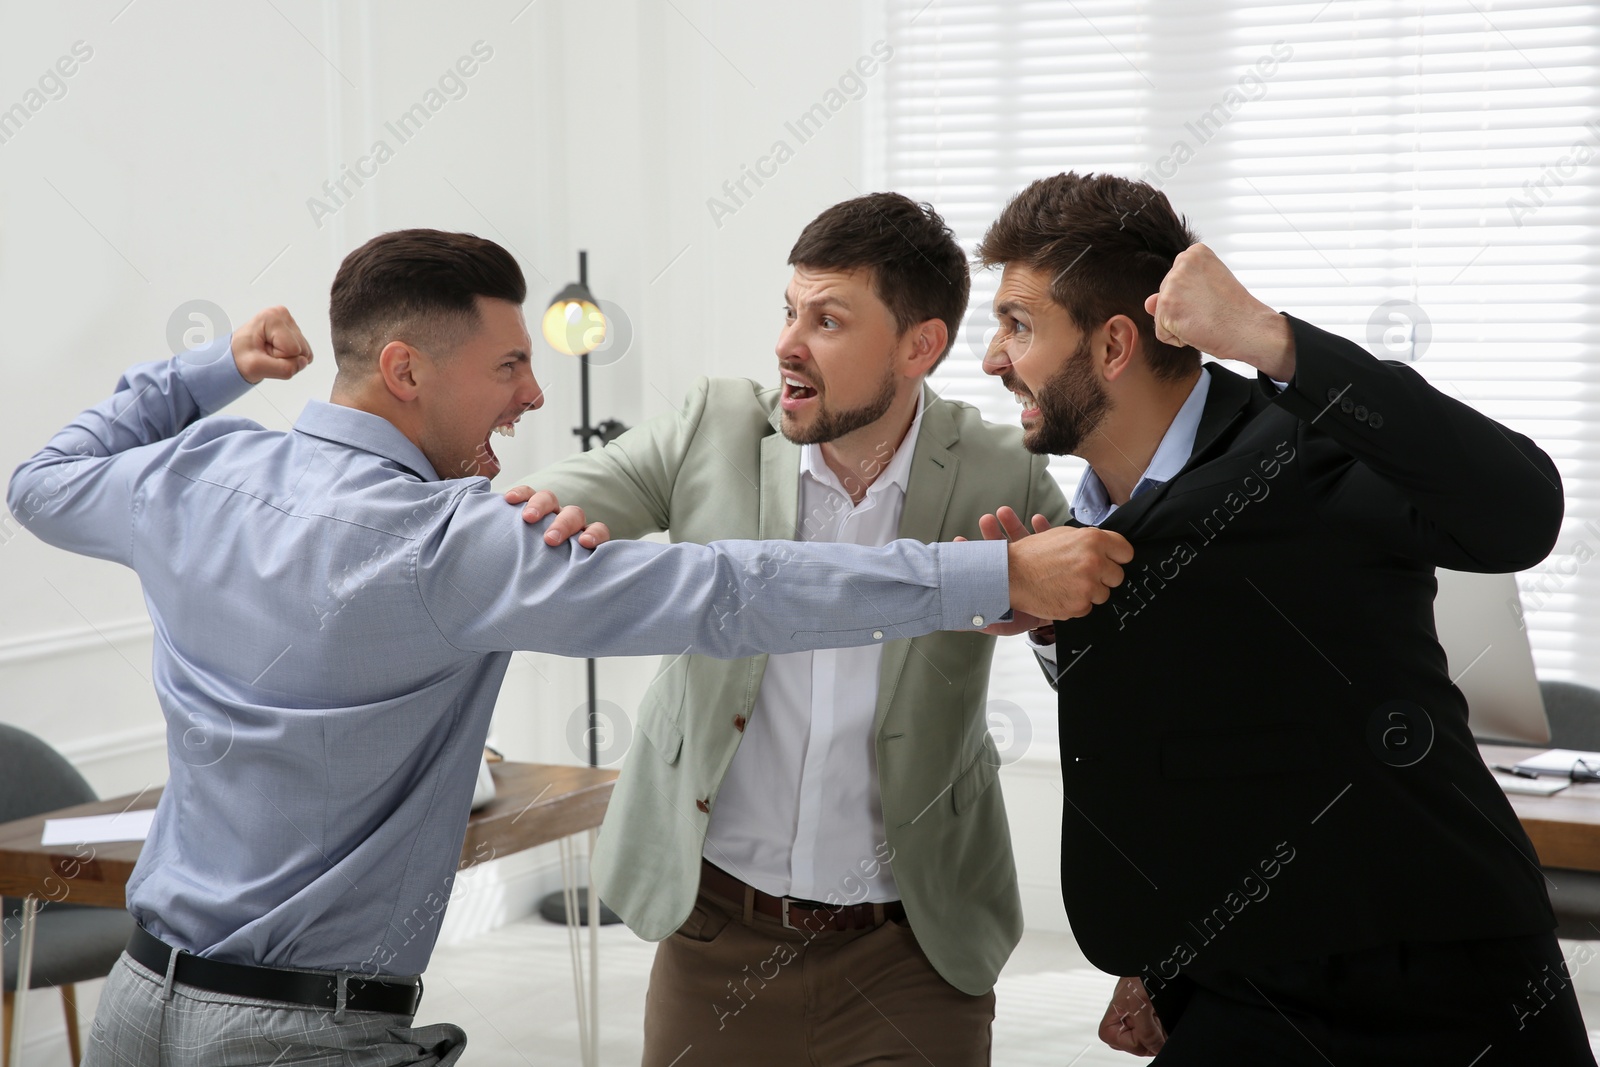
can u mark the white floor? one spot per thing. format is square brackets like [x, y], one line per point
[511, 990]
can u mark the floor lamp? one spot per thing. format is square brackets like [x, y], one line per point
[574, 325]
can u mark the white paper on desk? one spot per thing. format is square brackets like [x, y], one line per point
[1560, 761]
[93, 829]
[1534, 787]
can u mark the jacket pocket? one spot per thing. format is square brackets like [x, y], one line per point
[661, 708]
[979, 775]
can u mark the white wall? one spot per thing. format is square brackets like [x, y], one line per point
[177, 166]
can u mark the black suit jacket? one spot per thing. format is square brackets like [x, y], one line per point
[1263, 756]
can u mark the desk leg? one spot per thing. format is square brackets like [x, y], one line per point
[30, 912]
[594, 955]
[569, 889]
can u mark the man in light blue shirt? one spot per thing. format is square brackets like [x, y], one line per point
[334, 609]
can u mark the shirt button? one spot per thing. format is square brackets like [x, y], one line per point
[738, 723]
[703, 806]
[877, 635]
[977, 620]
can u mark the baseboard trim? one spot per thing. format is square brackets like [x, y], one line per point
[72, 640]
[116, 746]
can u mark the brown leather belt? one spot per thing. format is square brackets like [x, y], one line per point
[794, 913]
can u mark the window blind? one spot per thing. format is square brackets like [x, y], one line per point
[1418, 177]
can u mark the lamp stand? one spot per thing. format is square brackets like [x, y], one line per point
[553, 908]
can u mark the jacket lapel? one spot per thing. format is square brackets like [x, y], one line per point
[778, 521]
[1227, 403]
[928, 490]
[780, 485]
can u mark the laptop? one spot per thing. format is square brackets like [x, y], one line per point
[1479, 621]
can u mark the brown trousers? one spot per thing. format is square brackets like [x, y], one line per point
[726, 991]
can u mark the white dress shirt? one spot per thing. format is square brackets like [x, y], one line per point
[799, 813]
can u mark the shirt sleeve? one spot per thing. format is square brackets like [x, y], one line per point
[491, 584]
[77, 492]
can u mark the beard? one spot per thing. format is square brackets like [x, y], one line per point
[831, 424]
[1072, 405]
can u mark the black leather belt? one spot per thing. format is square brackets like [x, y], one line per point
[313, 989]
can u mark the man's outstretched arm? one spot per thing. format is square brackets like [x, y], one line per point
[491, 583]
[628, 484]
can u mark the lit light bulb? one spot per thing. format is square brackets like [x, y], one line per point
[574, 327]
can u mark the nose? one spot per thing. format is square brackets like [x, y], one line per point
[996, 360]
[531, 396]
[789, 345]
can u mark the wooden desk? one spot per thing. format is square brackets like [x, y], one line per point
[534, 804]
[1565, 827]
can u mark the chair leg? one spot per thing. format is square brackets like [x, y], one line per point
[5, 1051]
[69, 1005]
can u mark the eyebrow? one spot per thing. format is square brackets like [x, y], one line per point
[1009, 306]
[517, 354]
[822, 302]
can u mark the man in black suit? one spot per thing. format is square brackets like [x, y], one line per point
[1277, 824]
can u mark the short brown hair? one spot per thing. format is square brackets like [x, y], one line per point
[918, 269]
[416, 286]
[1106, 242]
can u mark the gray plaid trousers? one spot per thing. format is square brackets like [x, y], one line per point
[136, 1026]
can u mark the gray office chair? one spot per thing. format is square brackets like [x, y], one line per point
[1574, 714]
[72, 943]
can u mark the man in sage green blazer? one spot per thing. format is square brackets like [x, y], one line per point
[808, 913]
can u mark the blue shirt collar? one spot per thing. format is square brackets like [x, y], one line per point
[1092, 506]
[365, 431]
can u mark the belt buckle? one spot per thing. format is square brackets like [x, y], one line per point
[787, 901]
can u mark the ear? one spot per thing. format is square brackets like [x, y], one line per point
[397, 365]
[1119, 344]
[928, 340]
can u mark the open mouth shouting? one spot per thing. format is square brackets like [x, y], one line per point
[1030, 406]
[797, 393]
[505, 428]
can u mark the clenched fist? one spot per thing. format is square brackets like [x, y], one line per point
[1202, 304]
[270, 346]
[1063, 572]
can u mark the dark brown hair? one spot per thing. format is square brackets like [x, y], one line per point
[918, 269]
[1106, 243]
[415, 286]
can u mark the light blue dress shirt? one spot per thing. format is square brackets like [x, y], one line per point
[332, 624]
[1090, 504]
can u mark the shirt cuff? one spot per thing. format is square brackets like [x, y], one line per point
[211, 375]
[1044, 652]
[974, 583]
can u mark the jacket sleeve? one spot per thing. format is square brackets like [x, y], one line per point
[78, 491]
[628, 484]
[1415, 470]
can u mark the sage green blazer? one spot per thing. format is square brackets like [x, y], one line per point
[719, 470]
